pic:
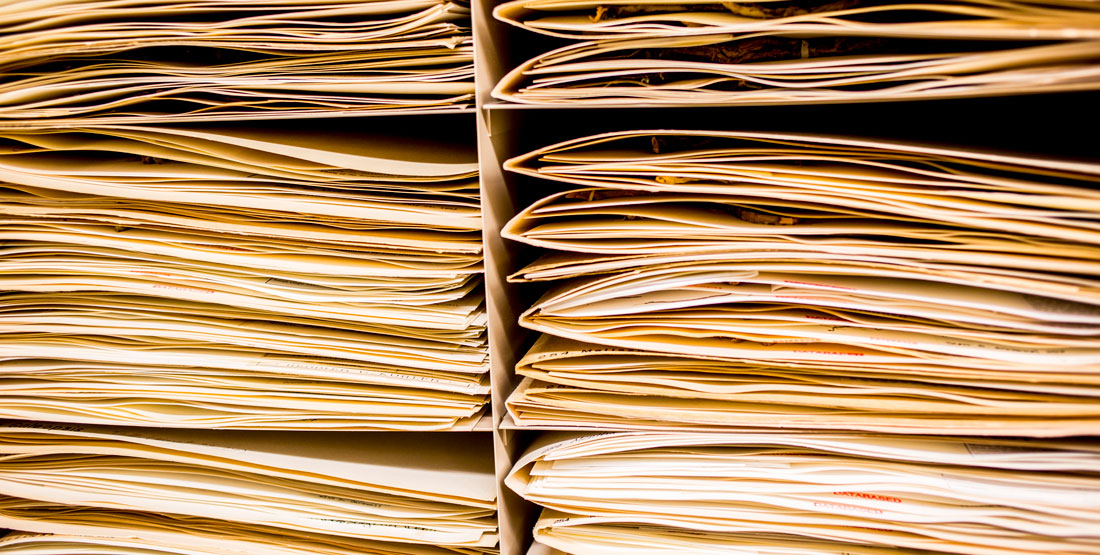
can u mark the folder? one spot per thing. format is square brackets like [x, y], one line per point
[392, 487]
[960, 325]
[809, 493]
[703, 280]
[1003, 19]
[611, 220]
[391, 176]
[576, 384]
[208, 61]
[242, 276]
[650, 195]
[74, 529]
[764, 68]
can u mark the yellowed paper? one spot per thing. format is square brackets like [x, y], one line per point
[721, 69]
[879, 492]
[319, 483]
[966, 20]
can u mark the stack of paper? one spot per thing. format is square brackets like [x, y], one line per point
[177, 491]
[70, 61]
[25, 543]
[722, 278]
[1000, 19]
[635, 493]
[716, 52]
[241, 277]
[173, 260]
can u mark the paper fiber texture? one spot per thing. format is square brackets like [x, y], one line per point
[949, 20]
[138, 62]
[242, 276]
[776, 68]
[721, 279]
[390, 487]
[815, 493]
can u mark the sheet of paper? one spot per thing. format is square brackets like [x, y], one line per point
[879, 180]
[812, 488]
[126, 62]
[726, 69]
[729, 312]
[257, 168]
[1002, 19]
[226, 539]
[870, 408]
[709, 280]
[606, 220]
[244, 275]
[390, 487]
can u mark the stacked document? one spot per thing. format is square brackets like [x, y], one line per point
[777, 494]
[72, 61]
[174, 260]
[25, 543]
[706, 279]
[996, 19]
[241, 276]
[778, 51]
[83, 489]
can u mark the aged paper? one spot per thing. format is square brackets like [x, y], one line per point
[728, 280]
[130, 62]
[1003, 19]
[242, 276]
[957, 495]
[773, 68]
[317, 482]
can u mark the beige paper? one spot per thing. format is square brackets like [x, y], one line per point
[969, 188]
[203, 61]
[319, 483]
[640, 222]
[940, 493]
[249, 541]
[966, 20]
[380, 179]
[727, 280]
[724, 69]
[242, 275]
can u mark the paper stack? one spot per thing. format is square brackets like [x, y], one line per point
[84, 489]
[210, 276]
[783, 493]
[69, 62]
[242, 276]
[776, 51]
[756, 279]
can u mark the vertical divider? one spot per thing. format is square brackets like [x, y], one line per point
[501, 306]
[502, 303]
